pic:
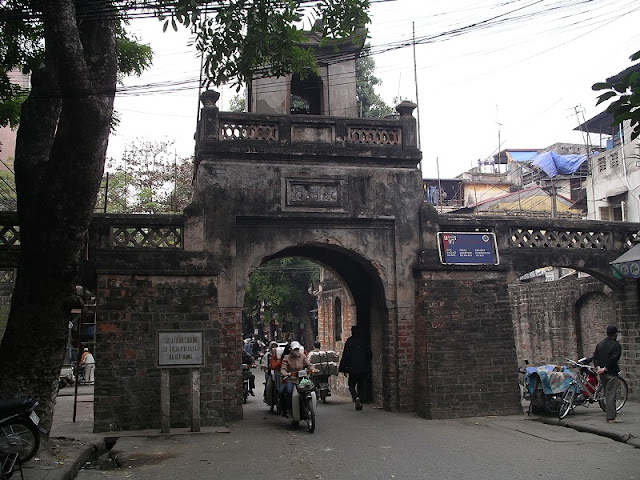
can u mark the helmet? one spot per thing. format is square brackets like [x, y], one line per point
[296, 349]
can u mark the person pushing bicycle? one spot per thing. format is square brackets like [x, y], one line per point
[605, 358]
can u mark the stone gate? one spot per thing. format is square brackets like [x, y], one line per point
[346, 193]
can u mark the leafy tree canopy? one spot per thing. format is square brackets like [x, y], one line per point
[242, 36]
[624, 89]
[149, 178]
[283, 288]
[22, 48]
[237, 103]
[370, 104]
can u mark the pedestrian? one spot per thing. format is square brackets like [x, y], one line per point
[89, 365]
[287, 347]
[246, 346]
[605, 358]
[355, 363]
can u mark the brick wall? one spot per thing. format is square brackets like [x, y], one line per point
[131, 310]
[326, 330]
[566, 319]
[465, 354]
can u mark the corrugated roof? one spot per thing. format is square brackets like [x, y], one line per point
[525, 156]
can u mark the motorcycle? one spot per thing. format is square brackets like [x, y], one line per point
[304, 401]
[544, 386]
[19, 430]
[245, 382]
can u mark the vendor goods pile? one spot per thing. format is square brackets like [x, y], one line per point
[326, 362]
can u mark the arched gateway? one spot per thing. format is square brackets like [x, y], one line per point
[345, 192]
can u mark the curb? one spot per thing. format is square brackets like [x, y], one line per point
[85, 454]
[618, 437]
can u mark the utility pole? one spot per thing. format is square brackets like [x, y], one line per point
[415, 79]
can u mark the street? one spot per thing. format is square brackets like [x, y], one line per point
[372, 444]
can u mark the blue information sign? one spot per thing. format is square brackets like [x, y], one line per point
[468, 248]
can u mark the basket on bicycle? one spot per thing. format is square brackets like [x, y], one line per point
[305, 386]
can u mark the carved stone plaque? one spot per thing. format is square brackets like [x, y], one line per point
[314, 193]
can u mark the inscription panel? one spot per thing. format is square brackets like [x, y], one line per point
[179, 349]
[317, 193]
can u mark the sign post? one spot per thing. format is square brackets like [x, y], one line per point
[468, 248]
[176, 349]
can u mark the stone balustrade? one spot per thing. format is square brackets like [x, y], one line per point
[228, 133]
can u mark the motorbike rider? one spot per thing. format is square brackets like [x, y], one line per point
[291, 364]
[249, 360]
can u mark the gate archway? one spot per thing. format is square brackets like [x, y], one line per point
[367, 290]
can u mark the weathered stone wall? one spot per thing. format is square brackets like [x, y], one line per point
[132, 309]
[464, 344]
[566, 319]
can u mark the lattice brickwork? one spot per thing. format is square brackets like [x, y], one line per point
[10, 236]
[375, 136]
[529, 238]
[7, 276]
[240, 131]
[146, 237]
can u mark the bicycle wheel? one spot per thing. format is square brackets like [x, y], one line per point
[20, 435]
[311, 416]
[566, 404]
[621, 396]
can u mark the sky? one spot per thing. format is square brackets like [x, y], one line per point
[514, 73]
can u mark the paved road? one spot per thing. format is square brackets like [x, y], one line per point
[373, 444]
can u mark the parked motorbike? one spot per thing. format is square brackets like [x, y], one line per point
[19, 429]
[304, 401]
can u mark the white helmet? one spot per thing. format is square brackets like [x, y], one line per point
[296, 349]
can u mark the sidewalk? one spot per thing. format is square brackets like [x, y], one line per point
[74, 443]
[592, 420]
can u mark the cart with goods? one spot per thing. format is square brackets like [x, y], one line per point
[325, 364]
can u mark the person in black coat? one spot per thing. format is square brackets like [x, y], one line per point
[606, 356]
[356, 363]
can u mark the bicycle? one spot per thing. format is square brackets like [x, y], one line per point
[587, 389]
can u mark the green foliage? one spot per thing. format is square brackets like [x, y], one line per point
[22, 49]
[237, 103]
[133, 57]
[7, 189]
[149, 178]
[246, 35]
[11, 99]
[283, 289]
[625, 90]
[369, 102]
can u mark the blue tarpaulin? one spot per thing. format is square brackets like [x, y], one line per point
[553, 164]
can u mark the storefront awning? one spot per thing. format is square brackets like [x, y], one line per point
[627, 265]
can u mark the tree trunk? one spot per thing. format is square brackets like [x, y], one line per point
[60, 154]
